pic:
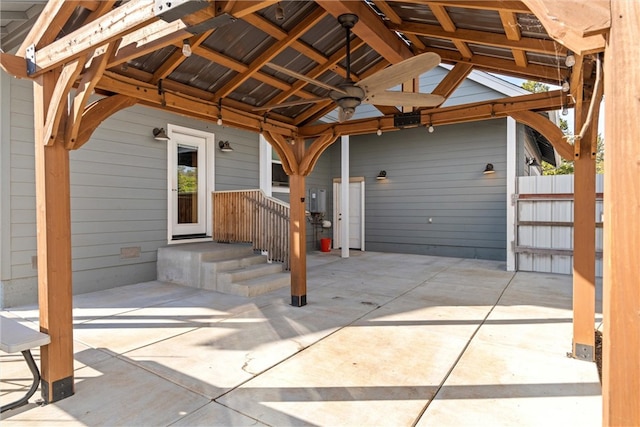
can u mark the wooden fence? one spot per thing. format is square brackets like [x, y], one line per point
[249, 216]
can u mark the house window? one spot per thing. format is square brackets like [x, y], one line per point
[279, 178]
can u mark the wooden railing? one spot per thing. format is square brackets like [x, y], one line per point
[249, 216]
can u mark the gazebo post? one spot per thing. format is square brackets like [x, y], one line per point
[584, 219]
[53, 218]
[621, 335]
[297, 231]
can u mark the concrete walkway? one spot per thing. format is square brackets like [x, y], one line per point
[385, 340]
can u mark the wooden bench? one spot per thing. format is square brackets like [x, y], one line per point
[15, 337]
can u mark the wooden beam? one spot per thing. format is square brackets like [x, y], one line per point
[285, 152]
[576, 24]
[278, 33]
[96, 113]
[52, 18]
[547, 129]
[485, 110]
[512, 30]
[621, 335]
[395, 18]
[371, 29]
[53, 218]
[453, 79]
[14, 65]
[109, 27]
[272, 51]
[178, 57]
[507, 5]
[59, 97]
[314, 152]
[191, 106]
[480, 37]
[447, 24]
[542, 73]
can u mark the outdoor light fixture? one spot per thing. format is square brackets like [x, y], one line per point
[430, 128]
[382, 175]
[379, 132]
[160, 135]
[570, 60]
[565, 86]
[565, 110]
[219, 122]
[531, 161]
[488, 169]
[279, 12]
[186, 48]
[225, 146]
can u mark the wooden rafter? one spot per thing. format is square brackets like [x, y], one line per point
[178, 58]
[395, 18]
[371, 29]
[512, 30]
[481, 37]
[273, 51]
[447, 24]
[508, 5]
[453, 79]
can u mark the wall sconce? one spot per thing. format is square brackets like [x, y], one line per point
[160, 135]
[225, 146]
[531, 161]
[382, 175]
[488, 169]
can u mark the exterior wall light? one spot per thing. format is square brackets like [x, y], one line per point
[382, 176]
[225, 146]
[160, 135]
[489, 169]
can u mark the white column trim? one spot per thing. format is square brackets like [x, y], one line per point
[265, 166]
[512, 138]
[344, 193]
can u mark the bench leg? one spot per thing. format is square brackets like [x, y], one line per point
[36, 382]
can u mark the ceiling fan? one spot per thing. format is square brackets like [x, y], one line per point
[372, 90]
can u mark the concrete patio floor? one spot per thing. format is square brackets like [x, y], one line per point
[385, 340]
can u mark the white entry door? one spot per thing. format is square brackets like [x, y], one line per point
[355, 215]
[188, 188]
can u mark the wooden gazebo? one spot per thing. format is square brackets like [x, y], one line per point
[132, 53]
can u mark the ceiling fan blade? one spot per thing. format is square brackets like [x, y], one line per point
[408, 99]
[302, 77]
[289, 104]
[399, 73]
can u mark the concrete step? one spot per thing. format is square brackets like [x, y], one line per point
[211, 270]
[258, 285]
[181, 263]
[247, 273]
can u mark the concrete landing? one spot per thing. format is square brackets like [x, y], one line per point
[385, 340]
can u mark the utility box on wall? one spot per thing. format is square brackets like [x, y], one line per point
[317, 200]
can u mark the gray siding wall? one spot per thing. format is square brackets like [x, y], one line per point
[118, 194]
[436, 176]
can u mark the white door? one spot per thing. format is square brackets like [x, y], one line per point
[355, 216]
[187, 183]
